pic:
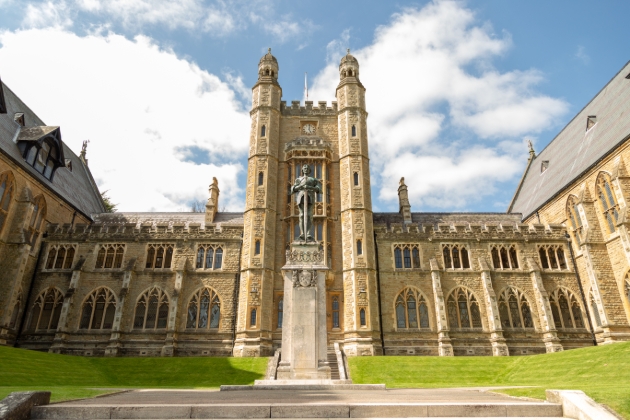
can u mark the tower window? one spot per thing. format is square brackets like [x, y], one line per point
[354, 131]
[362, 319]
[335, 312]
[359, 247]
[261, 178]
[257, 247]
[253, 317]
[356, 178]
[263, 131]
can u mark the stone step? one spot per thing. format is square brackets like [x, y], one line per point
[332, 362]
[281, 410]
[395, 418]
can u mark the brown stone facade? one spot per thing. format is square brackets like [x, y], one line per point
[400, 283]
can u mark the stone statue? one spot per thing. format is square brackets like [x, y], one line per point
[305, 187]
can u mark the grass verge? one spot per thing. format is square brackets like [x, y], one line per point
[601, 372]
[72, 377]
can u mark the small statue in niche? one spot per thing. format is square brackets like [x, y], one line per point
[304, 188]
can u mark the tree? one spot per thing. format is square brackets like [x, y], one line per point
[109, 206]
[198, 206]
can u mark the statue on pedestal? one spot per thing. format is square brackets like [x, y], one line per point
[305, 187]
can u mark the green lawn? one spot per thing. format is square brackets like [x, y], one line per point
[602, 372]
[70, 377]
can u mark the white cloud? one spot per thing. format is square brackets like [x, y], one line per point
[47, 14]
[143, 109]
[582, 55]
[441, 115]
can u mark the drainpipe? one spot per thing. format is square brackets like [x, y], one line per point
[378, 290]
[237, 287]
[579, 282]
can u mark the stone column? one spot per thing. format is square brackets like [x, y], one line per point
[548, 327]
[445, 348]
[304, 334]
[62, 329]
[113, 347]
[499, 348]
[170, 343]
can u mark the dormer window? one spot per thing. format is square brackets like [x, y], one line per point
[19, 118]
[43, 158]
[590, 121]
[544, 165]
[41, 148]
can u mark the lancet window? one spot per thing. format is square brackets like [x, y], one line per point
[504, 257]
[99, 309]
[411, 309]
[552, 257]
[573, 215]
[566, 311]
[463, 309]
[280, 312]
[209, 257]
[47, 310]
[514, 309]
[253, 317]
[263, 131]
[6, 196]
[204, 310]
[455, 256]
[362, 319]
[151, 310]
[608, 203]
[335, 312]
[406, 256]
[110, 256]
[60, 257]
[37, 219]
[159, 255]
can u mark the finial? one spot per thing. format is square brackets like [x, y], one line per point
[268, 50]
[402, 181]
[348, 50]
[531, 147]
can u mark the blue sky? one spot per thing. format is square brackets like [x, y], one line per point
[454, 89]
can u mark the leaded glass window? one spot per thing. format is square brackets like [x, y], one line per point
[99, 309]
[204, 310]
[253, 317]
[411, 309]
[159, 255]
[504, 257]
[608, 202]
[406, 256]
[463, 309]
[514, 309]
[565, 308]
[362, 319]
[335, 312]
[552, 257]
[455, 256]
[46, 310]
[110, 256]
[151, 310]
[210, 256]
[60, 257]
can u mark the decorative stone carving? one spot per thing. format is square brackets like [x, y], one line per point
[295, 256]
[304, 278]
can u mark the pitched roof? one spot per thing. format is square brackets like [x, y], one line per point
[575, 149]
[450, 218]
[121, 218]
[77, 188]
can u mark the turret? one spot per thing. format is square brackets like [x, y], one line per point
[403, 201]
[268, 68]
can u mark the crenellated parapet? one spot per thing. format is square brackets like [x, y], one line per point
[297, 110]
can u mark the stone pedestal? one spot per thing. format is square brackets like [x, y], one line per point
[304, 335]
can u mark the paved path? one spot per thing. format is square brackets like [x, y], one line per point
[178, 397]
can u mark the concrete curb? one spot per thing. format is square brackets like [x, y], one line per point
[577, 405]
[18, 405]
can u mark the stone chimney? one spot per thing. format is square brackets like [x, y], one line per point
[403, 201]
[212, 205]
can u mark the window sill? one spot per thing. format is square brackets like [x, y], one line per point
[412, 330]
[159, 269]
[205, 270]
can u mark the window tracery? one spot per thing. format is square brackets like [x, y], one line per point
[504, 257]
[151, 310]
[406, 256]
[60, 257]
[204, 310]
[47, 310]
[411, 309]
[110, 256]
[455, 256]
[6, 195]
[573, 215]
[98, 310]
[37, 219]
[608, 202]
[159, 255]
[209, 257]
[552, 257]
[514, 309]
[566, 311]
[463, 309]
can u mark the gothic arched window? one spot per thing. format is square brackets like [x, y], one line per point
[335, 312]
[60, 257]
[263, 131]
[99, 309]
[110, 256]
[280, 312]
[253, 317]
[356, 178]
[359, 247]
[151, 310]
[209, 257]
[514, 309]
[398, 262]
[204, 309]
[411, 309]
[552, 257]
[37, 219]
[455, 256]
[566, 311]
[463, 309]
[47, 310]
[261, 178]
[6, 196]
[504, 257]
[573, 215]
[608, 203]
[362, 320]
[159, 255]
[257, 247]
[406, 256]
[354, 131]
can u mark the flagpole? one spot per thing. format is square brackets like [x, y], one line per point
[306, 85]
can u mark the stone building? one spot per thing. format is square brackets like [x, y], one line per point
[398, 283]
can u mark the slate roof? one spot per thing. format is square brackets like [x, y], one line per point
[450, 218]
[119, 218]
[574, 150]
[77, 187]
